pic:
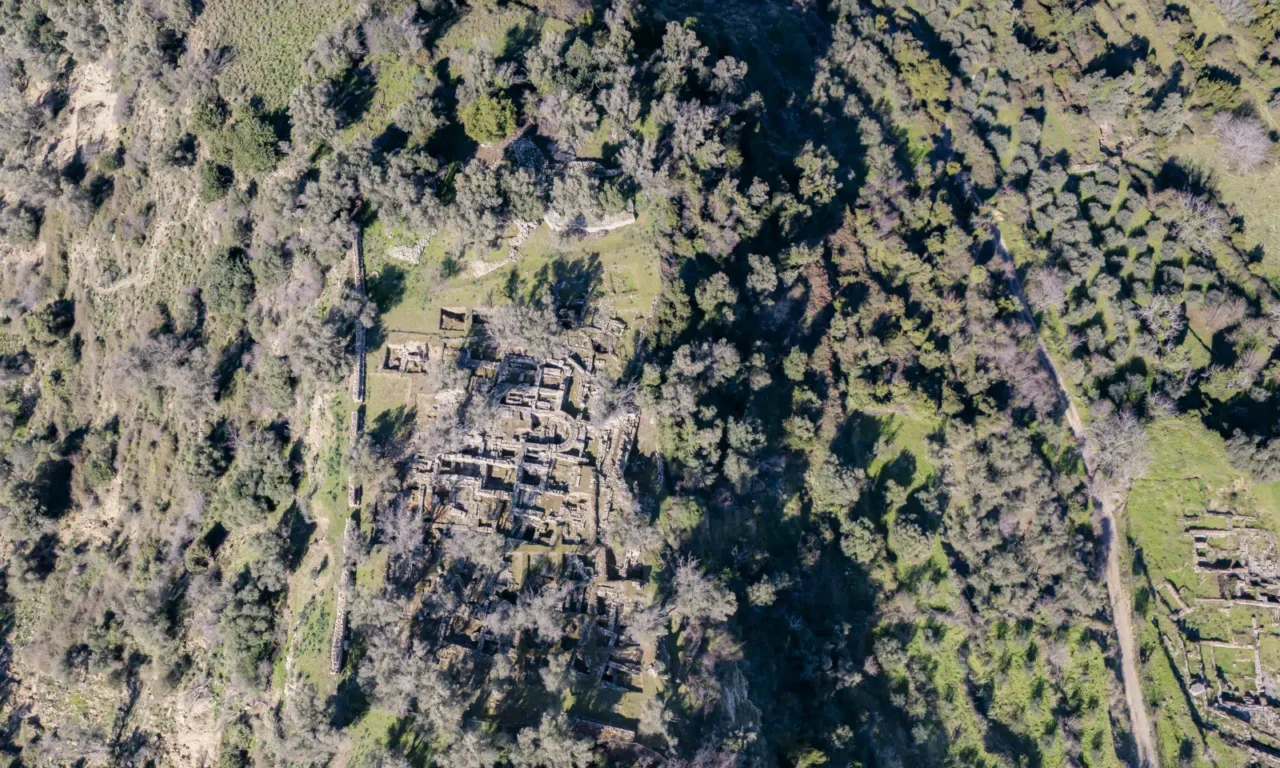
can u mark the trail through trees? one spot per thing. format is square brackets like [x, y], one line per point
[1109, 502]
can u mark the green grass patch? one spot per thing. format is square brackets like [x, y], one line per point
[1189, 464]
[311, 642]
[1252, 194]
[270, 38]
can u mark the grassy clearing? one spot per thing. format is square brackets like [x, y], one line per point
[311, 643]
[370, 736]
[1253, 195]
[1188, 466]
[624, 262]
[1073, 133]
[396, 83]
[1189, 472]
[1087, 682]
[270, 39]
[908, 437]
[1137, 18]
[496, 27]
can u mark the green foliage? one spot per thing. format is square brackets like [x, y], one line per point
[680, 514]
[228, 283]
[44, 35]
[51, 322]
[833, 487]
[99, 456]
[251, 144]
[236, 745]
[871, 510]
[277, 382]
[205, 460]
[215, 180]
[110, 160]
[489, 118]
[1217, 92]
[208, 115]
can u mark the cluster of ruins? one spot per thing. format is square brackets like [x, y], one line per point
[545, 473]
[1228, 680]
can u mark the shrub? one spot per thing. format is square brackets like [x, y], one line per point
[229, 283]
[110, 161]
[252, 144]
[208, 116]
[1243, 143]
[489, 118]
[215, 180]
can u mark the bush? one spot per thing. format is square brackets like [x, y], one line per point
[208, 116]
[215, 180]
[252, 144]
[229, 283]
[110, 161]
[489, 118]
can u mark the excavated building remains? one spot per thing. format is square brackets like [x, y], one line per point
[1228, 670]
[544, 475]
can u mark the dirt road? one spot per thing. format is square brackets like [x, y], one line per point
[1121, 603]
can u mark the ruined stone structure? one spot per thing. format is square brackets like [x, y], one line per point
[338, 645]
[543, 472]
[1225, 647]
[357, 272]
[358, 374]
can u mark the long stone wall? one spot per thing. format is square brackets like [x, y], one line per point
[338, 647]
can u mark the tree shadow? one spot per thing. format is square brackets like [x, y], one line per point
[392, 139]
[449, 143]
[53, 484]
[353, 95]
[386, 288]
[394, 426]
[296, 530]
[42, 557]
[520, 39]
[230, 360]
[1119, 59]
[1175, 174]
[349, 702]
[570, 283]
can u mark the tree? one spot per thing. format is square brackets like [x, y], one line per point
[1120, 449]
[818, 183]
[252, 144]
[698, 596]
[1243, 143]
[229, 283]
[551, 745]
[833, 487]
[1197, 222]
[489, 118]
[682, 56]
[208, 115]
[312, 114]
[716, 297]
[568, 118]
[576, 194]
[215, 180]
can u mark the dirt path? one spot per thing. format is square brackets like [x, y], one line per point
[160, 244]
[1121, 602]
[144, 276]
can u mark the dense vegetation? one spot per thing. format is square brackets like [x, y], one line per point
[872, 534]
